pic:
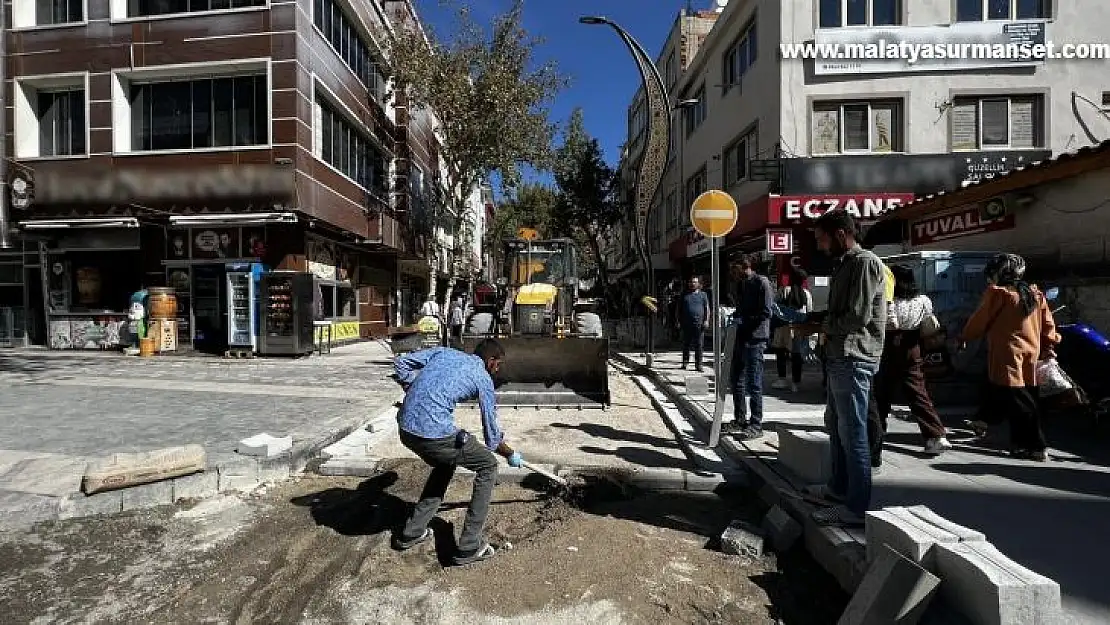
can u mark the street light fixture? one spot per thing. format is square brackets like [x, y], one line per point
[653, 162]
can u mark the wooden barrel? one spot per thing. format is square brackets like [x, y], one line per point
[147, 345]
[163, 303]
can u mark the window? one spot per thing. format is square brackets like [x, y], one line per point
[739, 57]
[50, 12]
[841, 13]
[1105, 99]
[671, 71]
[672, 209]
[695, 114]
[351, 152]
[142, 8]
[345, 39]
[61, 122]
[198, 114]
[854, 126]
[979, 10]
[695, 186]
[737, 155]
[998, 122]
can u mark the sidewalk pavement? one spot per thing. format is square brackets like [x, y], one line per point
[62, 409]
[1044, 516]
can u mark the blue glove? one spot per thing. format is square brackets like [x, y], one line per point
[516, 460]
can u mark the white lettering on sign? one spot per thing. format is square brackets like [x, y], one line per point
[950, 224]
[864, 208]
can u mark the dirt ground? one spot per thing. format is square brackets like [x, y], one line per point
[316, 550]
[630, 434]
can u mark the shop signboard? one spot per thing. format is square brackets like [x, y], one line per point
[913, 49]
[780, 242]
[956, 225]
[798, 209]
[214, 243]
[919, 174]
[321, 259]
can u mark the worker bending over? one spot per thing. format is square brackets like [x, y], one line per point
[435, 381]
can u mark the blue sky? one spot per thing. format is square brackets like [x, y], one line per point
[602, 74]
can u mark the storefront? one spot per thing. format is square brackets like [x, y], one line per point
[335, 267]
[22, 319]
[89, 269]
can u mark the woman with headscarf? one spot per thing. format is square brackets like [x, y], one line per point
[901, 367]
[1017, 324]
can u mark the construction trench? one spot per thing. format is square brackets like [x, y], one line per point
[635, 539]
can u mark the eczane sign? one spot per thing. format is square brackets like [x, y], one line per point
[866, 207]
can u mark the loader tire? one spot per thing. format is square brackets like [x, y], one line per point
[588, 324]
[480, 324]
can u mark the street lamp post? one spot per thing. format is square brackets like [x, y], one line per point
[653, 162]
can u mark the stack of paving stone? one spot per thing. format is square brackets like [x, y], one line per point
[912, 550]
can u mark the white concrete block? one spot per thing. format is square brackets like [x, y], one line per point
[991, 589]
[265, 445]
[806, 454]
[895, 590]
[782, 530]
[351, 467]
[905, 533]
[697, 386]
[932, 518]
[742, 539]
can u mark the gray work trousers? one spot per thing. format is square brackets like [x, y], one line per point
[443, 456]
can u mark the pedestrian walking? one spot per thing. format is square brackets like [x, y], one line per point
[1014, 318]
[435, 381]
[853, 325]
[430, 308]
[694, 318]
[901, 366]
[789, 343]
[456, 319]
[755, 303]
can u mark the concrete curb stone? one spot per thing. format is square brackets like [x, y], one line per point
[991, 589]
[895, 590]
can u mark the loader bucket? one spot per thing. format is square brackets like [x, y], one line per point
[546, 372]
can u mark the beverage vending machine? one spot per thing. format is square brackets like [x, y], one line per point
[287, 314]
[243, 305]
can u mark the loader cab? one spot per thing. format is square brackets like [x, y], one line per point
[541, 262]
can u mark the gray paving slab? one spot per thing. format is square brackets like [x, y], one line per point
[1040, 515]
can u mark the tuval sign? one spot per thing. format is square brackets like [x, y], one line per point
[956, 225]
[799, 208]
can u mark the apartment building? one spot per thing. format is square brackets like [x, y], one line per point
[154, 141]
[791, 138]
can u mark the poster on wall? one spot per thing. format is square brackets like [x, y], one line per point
[321, 259]
[254, 242]
[178, 245]
[215, 243]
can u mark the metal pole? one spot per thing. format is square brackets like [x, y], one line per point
[719, 384]
[5, 216]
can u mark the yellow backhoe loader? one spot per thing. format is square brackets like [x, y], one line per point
[556, 351]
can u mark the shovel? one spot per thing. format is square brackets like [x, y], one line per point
[551, 476]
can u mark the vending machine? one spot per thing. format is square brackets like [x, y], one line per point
[242, 305]
[287, 314]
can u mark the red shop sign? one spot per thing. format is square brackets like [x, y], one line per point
[956, 225]
[787, 209]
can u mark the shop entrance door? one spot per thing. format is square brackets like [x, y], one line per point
[209, 308]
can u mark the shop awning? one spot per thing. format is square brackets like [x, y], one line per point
[65, 224]
[233, 219]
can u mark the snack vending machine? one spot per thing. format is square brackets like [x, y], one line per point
[287, 314]
[242, 305]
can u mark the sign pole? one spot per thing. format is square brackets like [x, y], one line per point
[719, 384]
[714, 215]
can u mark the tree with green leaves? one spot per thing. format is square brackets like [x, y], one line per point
[588, 203]
[490, 96]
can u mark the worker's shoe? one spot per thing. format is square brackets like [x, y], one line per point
[400, 543]
[485, 552]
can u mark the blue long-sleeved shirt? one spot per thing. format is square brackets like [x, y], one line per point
[440, 378]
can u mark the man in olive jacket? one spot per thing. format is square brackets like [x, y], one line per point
[854, 327]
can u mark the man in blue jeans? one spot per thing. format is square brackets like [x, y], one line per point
[755, 301]
[853, 326]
